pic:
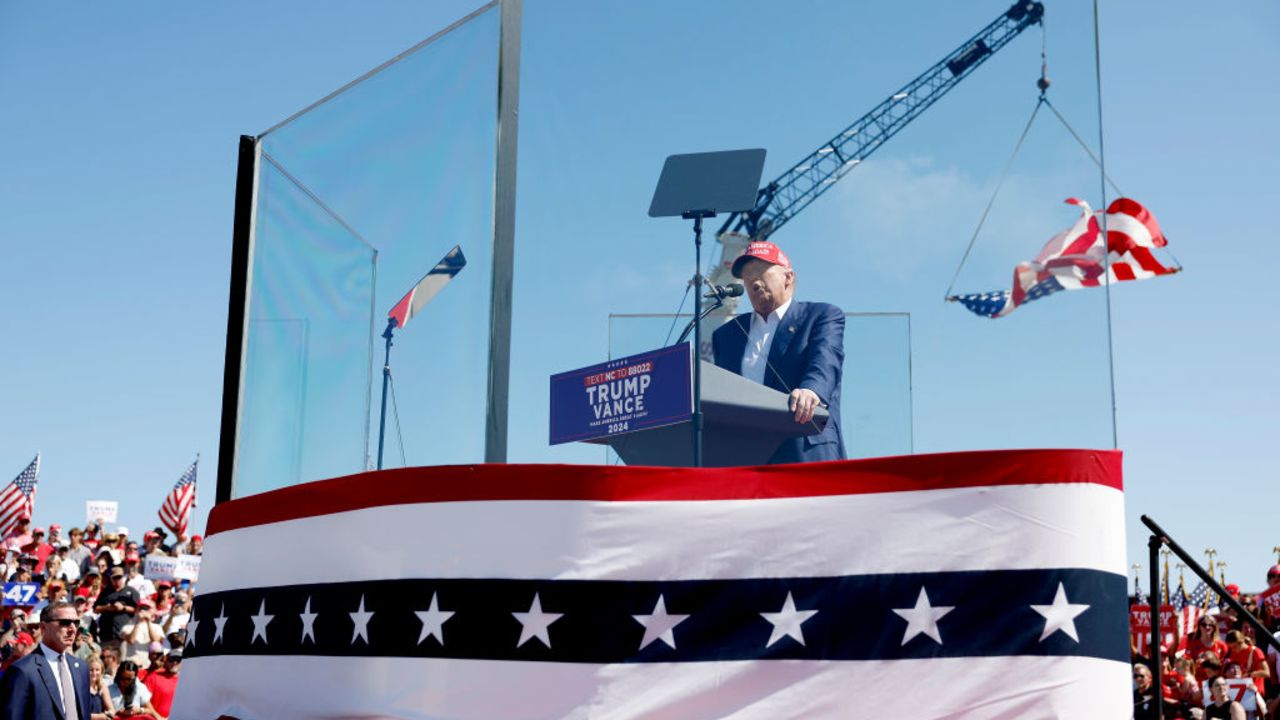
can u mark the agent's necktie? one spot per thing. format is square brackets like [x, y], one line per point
[68, 690]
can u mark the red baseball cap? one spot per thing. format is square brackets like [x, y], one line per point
[55, 528]
[24, 638]
[1233, 590]
[765, 251]
[197, 537]
[1273, 571]
[131, 558]
[37, 531]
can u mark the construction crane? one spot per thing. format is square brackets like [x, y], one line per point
[807, 180]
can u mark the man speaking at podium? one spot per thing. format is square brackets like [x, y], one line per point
[791, 346]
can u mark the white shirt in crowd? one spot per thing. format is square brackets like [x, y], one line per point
[143, 585]
[755, 357]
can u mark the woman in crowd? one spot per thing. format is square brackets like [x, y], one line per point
[1221, 706]
[1251, 700]
[99, 697]
[1251, 659]
[1205, 639]
[130, 697]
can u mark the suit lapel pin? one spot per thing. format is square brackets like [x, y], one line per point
[791, 329]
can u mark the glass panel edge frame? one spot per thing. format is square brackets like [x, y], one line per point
[504, 216]
[388, 63]
[243, 232]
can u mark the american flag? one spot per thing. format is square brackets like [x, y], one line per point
[19, 497]
[1075, 258]
[1190, 607]
[175, 513]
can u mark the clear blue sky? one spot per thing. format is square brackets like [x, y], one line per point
[117, 177]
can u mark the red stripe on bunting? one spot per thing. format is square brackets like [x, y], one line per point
[461, 483]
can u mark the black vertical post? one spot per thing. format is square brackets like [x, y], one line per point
[1153, 592]
[386, 380]
[697, 340]
[237, 314]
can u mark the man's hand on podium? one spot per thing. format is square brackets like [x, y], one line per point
[804, 402]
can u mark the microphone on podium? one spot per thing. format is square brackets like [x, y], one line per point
[720, 292]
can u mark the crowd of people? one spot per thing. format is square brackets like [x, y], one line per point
[128, 629]
[1215, 665]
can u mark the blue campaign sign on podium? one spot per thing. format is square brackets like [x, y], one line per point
[633, 393]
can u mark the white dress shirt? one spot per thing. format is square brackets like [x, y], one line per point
[54, 657]
[755, 357]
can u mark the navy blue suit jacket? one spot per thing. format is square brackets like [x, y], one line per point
[28, 690]
[807, 352]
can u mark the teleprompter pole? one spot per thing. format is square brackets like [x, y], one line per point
[697, 334]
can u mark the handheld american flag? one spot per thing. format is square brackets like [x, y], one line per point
[1076, 258]
[428, 287]
[978, 585]
[18, 499]
[175, 512]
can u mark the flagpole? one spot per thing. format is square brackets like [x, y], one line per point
[386, 379]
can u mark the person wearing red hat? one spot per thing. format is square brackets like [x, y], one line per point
[135, 579]
[1269, 599]
[792, 346]
[20, 534]
[39, 548]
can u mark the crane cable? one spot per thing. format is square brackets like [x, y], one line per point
[1003, 175]
[1043, 84]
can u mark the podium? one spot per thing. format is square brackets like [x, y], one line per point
[744, 424]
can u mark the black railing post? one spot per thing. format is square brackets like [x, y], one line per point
[1153, 593]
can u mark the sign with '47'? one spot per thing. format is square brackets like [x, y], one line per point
[20, 594]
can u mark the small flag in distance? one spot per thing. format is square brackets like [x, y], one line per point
[428, 287]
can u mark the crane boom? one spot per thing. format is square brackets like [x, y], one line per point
[804, 182]
[807, 180]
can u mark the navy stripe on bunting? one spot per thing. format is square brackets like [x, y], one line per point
[1055, 612]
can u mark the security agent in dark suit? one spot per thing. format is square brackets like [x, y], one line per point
[791, 346]
[35, 687]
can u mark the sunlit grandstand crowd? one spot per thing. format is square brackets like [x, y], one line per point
[1215, 665]
[131, 629]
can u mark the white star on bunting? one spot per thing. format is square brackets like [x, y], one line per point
[191, 631]
[787, 622]
[433, 620]
[260, 622]
[923, 618]
[219, 623]
[360, 619]
[659, 625]
[1061, 615]
[308, 622]
[534, 623]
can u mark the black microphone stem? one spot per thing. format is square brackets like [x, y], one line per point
[719, 303]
